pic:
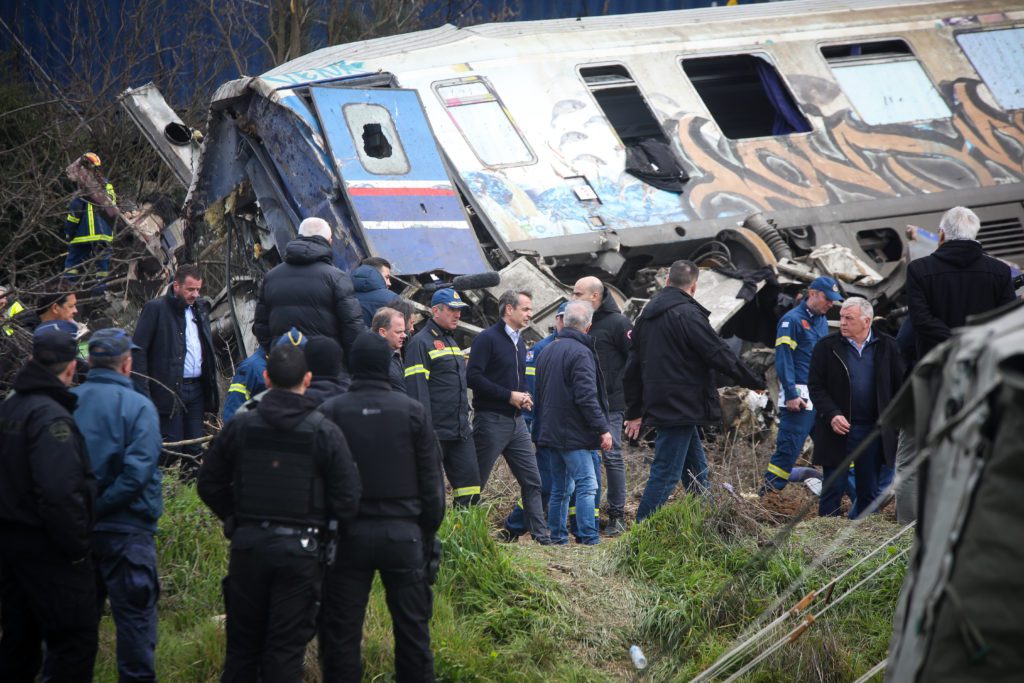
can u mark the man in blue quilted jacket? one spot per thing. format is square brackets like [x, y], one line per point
[122, 434]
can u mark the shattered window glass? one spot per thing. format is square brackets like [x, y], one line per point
[376, 140]
[885, 85]
[998, 57]
[484, 122]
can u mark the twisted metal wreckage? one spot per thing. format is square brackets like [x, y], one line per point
[774, 142]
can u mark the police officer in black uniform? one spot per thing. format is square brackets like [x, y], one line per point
[277, 475]
[47, 581]
[435, 375]
[400, 511]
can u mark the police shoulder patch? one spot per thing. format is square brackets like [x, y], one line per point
[60, 431]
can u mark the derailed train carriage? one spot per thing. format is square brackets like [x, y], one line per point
[760, 135]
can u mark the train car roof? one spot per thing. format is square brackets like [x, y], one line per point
[486, 42]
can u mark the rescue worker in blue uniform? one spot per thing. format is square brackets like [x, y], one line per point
[435, 375]
[248, 379]
[280, 477]
[89, 224]
[799, 330]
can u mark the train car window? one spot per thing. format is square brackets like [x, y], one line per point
[998, 57]
[376, 139]
[649, 154]
[484, 122]
[885, 83]
[746, 96]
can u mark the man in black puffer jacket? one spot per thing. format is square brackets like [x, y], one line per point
[611, 332]
[956, 281]
[309, 292]
[670, 384]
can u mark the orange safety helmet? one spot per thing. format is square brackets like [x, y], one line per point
[92, 158]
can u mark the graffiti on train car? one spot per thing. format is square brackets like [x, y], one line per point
[846, 160]
[843, 160]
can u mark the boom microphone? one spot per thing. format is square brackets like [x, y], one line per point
[465, 282]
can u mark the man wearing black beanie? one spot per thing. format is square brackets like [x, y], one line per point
[325, 360]
[401, 508]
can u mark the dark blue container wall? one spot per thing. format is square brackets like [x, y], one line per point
[548, 9]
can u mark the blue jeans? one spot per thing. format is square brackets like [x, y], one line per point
[573, 529]
[573, 471]
[794, 427]
[516, 520]
[676, 450]
[126, 572]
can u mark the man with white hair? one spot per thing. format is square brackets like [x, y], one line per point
[572, 421]
[853, 377]
[308, 292]
[956, 281]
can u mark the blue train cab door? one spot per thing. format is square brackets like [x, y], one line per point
[390, 168]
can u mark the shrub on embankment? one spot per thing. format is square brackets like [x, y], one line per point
[684, 585]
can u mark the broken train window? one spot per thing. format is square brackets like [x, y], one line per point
[998, 56]
[884, 82]
[376, 139]
[649, 154]
[745, 96]
[483, 121]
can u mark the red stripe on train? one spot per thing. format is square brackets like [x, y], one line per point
[404, 191]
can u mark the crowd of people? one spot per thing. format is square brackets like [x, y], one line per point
[342, 427]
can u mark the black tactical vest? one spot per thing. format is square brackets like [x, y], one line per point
[276, 476]
[379, 435]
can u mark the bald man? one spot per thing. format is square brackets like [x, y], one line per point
[611, 332]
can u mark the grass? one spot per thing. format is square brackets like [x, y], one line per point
[683, 585]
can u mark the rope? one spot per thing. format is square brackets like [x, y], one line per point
[809, 620]
[727, 659]
[872, 672]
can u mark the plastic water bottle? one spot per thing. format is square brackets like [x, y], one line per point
[639, 661]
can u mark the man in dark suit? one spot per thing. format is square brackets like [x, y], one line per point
[175, 364]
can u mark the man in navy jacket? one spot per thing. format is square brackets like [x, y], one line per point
[122, 434]
[572, 420]
[497, 376]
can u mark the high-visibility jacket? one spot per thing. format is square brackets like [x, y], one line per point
[435, 375]
[247, 382]
[13, 310]
[86, 224]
